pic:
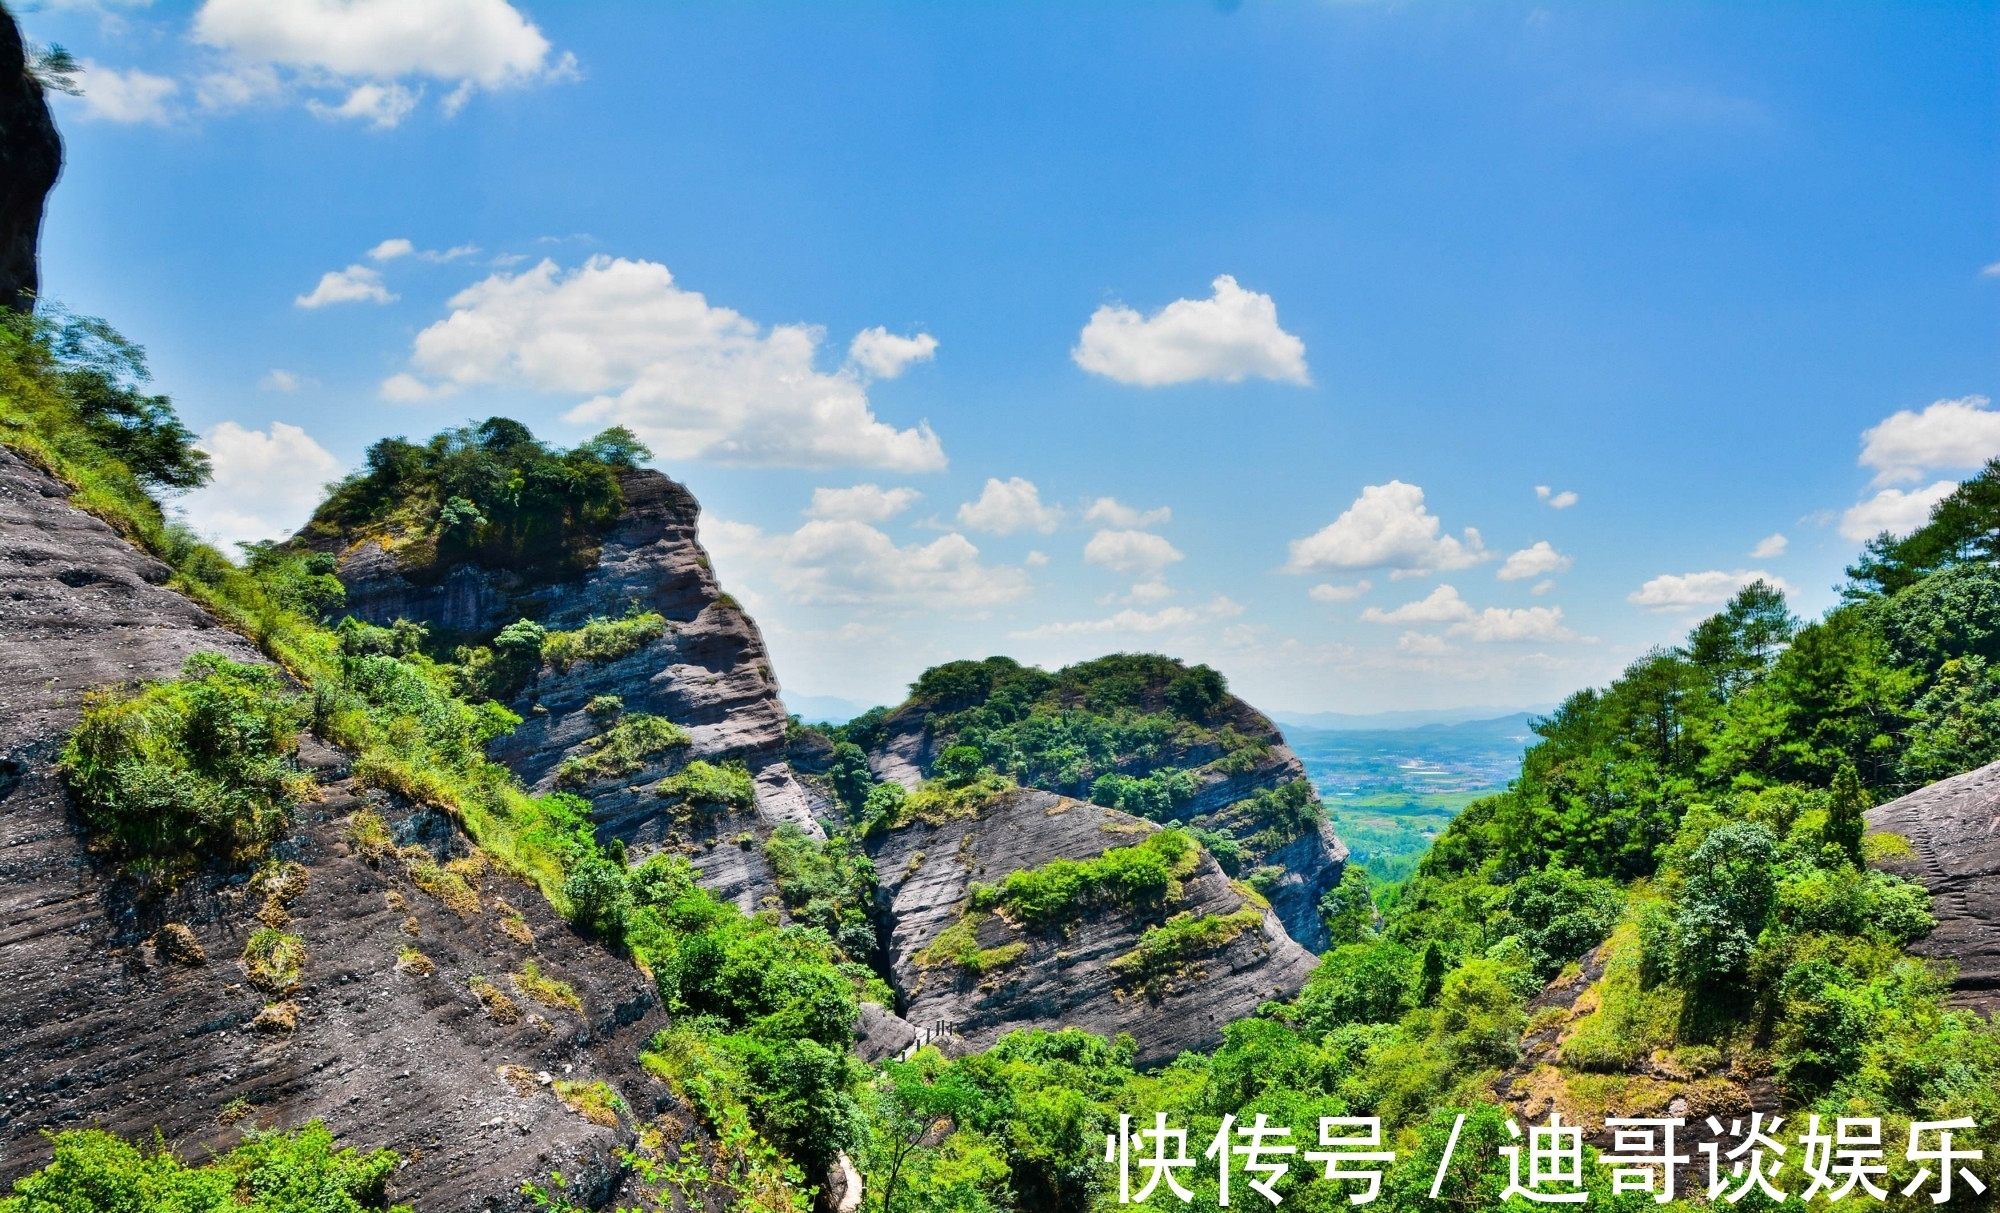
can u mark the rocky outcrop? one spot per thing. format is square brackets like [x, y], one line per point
[30, 159]
[1953, 828]
[1065, 978]
[708, 673]
[1297, 871]
[133, 1012]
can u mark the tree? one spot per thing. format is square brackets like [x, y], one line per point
[1430, 978]
[1348, 909]
[1725, 899]
[851, 777]
[100, 372]
[1844, 821]
[913, 1100]
[1736, 646]
[960, 764]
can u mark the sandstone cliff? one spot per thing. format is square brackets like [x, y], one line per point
[709, 673]
[104, 1020]
[1060, 978]
[30, 159]
[1950, 827]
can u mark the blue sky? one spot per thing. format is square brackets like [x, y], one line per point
[1304, 290]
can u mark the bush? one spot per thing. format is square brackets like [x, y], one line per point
[598, 896]
[624, 749]
[602, 641]
[1138, 878]
[198, 764]
[1560, 914]
[726, 785]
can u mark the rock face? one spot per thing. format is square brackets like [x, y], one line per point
[109, 1017]
[1954, 828]
[709, 673]
[30, 159]
[1064, 979]
[1299, 871]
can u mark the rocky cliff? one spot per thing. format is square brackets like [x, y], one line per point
[707, 672]
[30, 159]
[1059, 977]
[133, 1011]
[1955, 853]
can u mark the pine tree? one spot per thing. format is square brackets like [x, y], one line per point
[1844, 820]
[1431, 982]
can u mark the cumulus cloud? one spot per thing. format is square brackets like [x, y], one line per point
[885, 355]
[847, 562]
[1893, 510]
[279, 381]
[130, 95]
[1423, 644]
[1770, 546]
[1494, 624]
[862, 503]
[694, 381]
[1537, 561]
[1689, 591]
[1010, 505]
[1112, 512]
[1962, 433]
[1339, 593]
[1386, 527]
[389, 250]
[266, 482]
[1137, 554]
[366, 48]
[355, 284]
[1230, 336]
[1145, 623]
[1556, 501]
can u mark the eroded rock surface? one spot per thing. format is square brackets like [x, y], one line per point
[105, 1019]
[709, 673]
[1064, 978]
[1954, 828]
[30, 159]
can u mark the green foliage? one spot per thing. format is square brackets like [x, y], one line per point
[1139, 878]
[626, 748]
[296, 1172]
[851, 778]
[1157, 796]
[958, 944]
[959, 765]
[200, 764]
[1559, 915]
[303, 581]
[1845, 823]
[602, 641]
[725, 785]
[1348, 908]
[1166, 950]
[828, 885]
[1962, 531]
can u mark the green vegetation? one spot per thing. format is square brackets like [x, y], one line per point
[623, 749]
[958, 944]
[274, 960]
[546, 990]
[602, 641]
[596, 1102]
[1138, 879]
[828, 885]
[296, 1172]
[724, 785]
[490, 493]
[201, 764]
[1168, 949]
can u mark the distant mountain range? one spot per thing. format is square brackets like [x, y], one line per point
[823, 709]
[1348, 722]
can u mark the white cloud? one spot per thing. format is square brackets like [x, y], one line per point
[1769, 547]
[1230, 336]
[1424, 644]
[1138, 554]
[440, 256]
[125, 96]
[237, 86]
[1991, 271]
[692, 380]
[1035, 559]
[1893, 510]
[408, 389]
[366, 47]
[1008, 506]
[380, 105]
[1441, 605]
[266, 483]
[862, 503]
[1688, 591]
[1145, 623]
[1112, 512]
[1386, 527]
[1542, 587]
[389, 250]
[1960, 433]
[1340, 593]
[279, 381]
[1537, 561]
[1556, 501]
[886, 355]
[830, 561]
[355, 284]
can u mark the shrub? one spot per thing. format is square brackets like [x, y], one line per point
[958, 944]
[716, 785]
[602, 641]
[1168, 949]
[545, 990]
[959, 765]
[1140, 877]
[624, 749]
[598, 896]
[274, 960]
[596, 1102]
[201, 763]
[1560, 914]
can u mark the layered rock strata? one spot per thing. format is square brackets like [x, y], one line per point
[1953, 828]
[30, 160]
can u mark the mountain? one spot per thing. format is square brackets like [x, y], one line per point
[30, 159]
[1381, 721]
[824, 709]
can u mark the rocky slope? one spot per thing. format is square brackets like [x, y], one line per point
[708, 673]
[1297, 872]
[108, 1019]
[1953, 828]
[1064, 978]
[30, 159]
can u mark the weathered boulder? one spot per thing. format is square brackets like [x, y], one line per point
[709, 673]
[106, 1018]
[1066, 978]
[30, 160]
[1953, 828]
